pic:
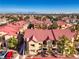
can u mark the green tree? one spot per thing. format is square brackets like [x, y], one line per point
[72, 29]
[55, 19]
[12, 19]
[12, 43]
[75, 27]
[27, 17]
[53, 26]
[37, 17]
[52, 18]
[43, 26]
[49, 17]
[30, 26]
[66, 47]
[76, 42]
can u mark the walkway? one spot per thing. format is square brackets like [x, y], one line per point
[23, 57]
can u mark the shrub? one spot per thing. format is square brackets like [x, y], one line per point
[12, 43]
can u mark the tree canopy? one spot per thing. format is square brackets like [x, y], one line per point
[53, 26]
[12, 43]
[65, 46]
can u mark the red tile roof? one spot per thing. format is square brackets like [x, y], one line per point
[67, 18]
[8, 30]
[34, 21]
[41, 35]
[60, 32]
[48, 21]
[12, 28]
[61, 23]
[16, 25]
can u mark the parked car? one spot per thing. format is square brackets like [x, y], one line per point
[6, 54]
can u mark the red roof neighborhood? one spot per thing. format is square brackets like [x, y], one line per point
[12, 28]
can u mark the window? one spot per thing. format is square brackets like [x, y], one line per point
[49, 42]
[40, 44]
[45, 42]
[33, 50]
[44, 48]
[33, 45]
[53, 42]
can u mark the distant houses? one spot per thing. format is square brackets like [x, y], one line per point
[11, 29]
[70, 20]
[40, 23]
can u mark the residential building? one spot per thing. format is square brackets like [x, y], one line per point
[35, 37]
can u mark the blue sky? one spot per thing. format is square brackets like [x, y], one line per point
[45, 6]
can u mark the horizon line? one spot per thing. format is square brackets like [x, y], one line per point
[35, 13]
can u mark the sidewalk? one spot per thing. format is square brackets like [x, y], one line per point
[17, 57]
[22, 57]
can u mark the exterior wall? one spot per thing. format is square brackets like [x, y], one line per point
[67, 21]
[0, 44]
[69, 25]
[33, 47]
[62, 27]
[36, 25]
[78, 36]
[72, 39]
[65, 26]
[7, 37]
[3, 21]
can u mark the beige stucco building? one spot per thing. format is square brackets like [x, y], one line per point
[33, 45]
